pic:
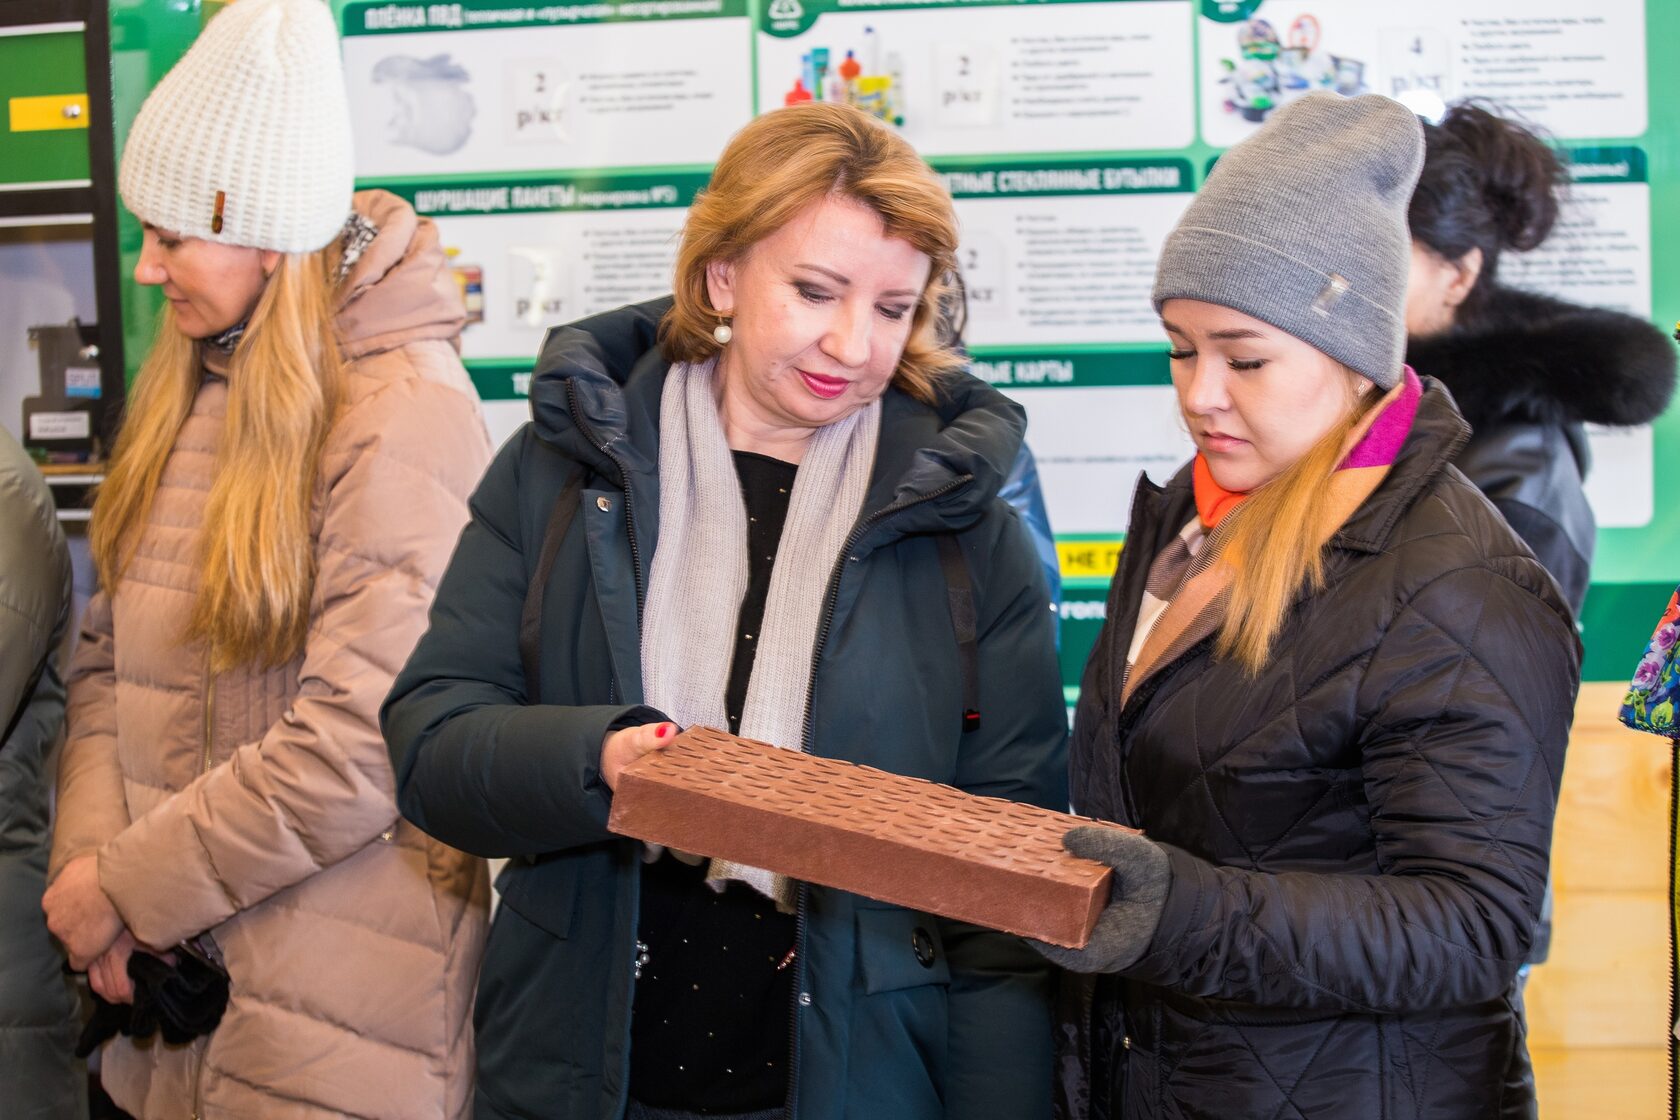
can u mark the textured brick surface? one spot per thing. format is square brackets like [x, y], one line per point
[902, 840]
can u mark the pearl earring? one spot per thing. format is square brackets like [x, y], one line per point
[722, 333]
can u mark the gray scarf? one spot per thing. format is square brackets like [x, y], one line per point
[700, 575]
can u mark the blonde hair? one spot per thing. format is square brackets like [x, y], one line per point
[1274, 546]
[773, 169]
[256, 552]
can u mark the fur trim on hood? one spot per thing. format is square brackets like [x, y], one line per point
[1531, 358]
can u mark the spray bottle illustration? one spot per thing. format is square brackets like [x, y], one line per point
[863, 78]
[535, 305]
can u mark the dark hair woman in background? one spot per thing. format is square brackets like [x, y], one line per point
[1526, 370]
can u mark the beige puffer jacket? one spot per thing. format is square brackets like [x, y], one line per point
[259, 804]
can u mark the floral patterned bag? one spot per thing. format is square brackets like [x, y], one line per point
[1651, 699]
[1649, 706]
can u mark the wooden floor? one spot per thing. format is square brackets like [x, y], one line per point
[1598, 1009]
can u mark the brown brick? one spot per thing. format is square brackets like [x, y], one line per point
[903, 840]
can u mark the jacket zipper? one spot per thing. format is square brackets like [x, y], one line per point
[209, 703]
[1129, 716]
[830, 604]
[612, 687]
[792, 1107]
[209, 729]
[624, 485]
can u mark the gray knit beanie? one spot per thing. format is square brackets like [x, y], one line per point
[1303, 226]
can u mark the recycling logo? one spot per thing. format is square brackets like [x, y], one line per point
[1230, 11]
[786, 10]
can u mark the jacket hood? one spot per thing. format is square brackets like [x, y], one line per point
[596, 392]
[1531, 358]
[400, 290]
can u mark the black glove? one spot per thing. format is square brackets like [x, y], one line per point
[1139, 892]
[182, 1000]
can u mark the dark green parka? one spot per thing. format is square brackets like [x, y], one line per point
[880, 1032]
[39, 1078]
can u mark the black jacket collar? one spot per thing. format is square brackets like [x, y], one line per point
[1438, 434]
[596, 394]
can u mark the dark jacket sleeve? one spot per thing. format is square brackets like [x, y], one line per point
[34, 595]
[38, 1012]
[477, 767]
[1001, 991]
[1466, 706]
[1533, 474]
[1553, 546]
[1023, 492]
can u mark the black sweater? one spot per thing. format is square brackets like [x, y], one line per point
[710, 1030]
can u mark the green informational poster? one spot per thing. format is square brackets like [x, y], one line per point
[558, 146]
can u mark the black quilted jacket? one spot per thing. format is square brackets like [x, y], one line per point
[1358, 837]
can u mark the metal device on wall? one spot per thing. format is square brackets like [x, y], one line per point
[64, 424]
[58, 175]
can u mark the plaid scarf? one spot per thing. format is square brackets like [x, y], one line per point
[1185, 595]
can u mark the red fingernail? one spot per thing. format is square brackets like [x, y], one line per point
[664, 730]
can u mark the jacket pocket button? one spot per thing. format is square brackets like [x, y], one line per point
[604, 504]
[922, 943]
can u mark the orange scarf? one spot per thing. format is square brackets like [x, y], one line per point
[1195, 587]
[1213, 502]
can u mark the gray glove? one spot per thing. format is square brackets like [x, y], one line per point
[1139, 892]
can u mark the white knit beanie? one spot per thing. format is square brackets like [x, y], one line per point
[247, 140]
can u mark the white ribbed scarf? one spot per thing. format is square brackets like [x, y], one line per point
[700, 575]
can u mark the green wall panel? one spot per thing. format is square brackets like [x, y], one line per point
[40, 66]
